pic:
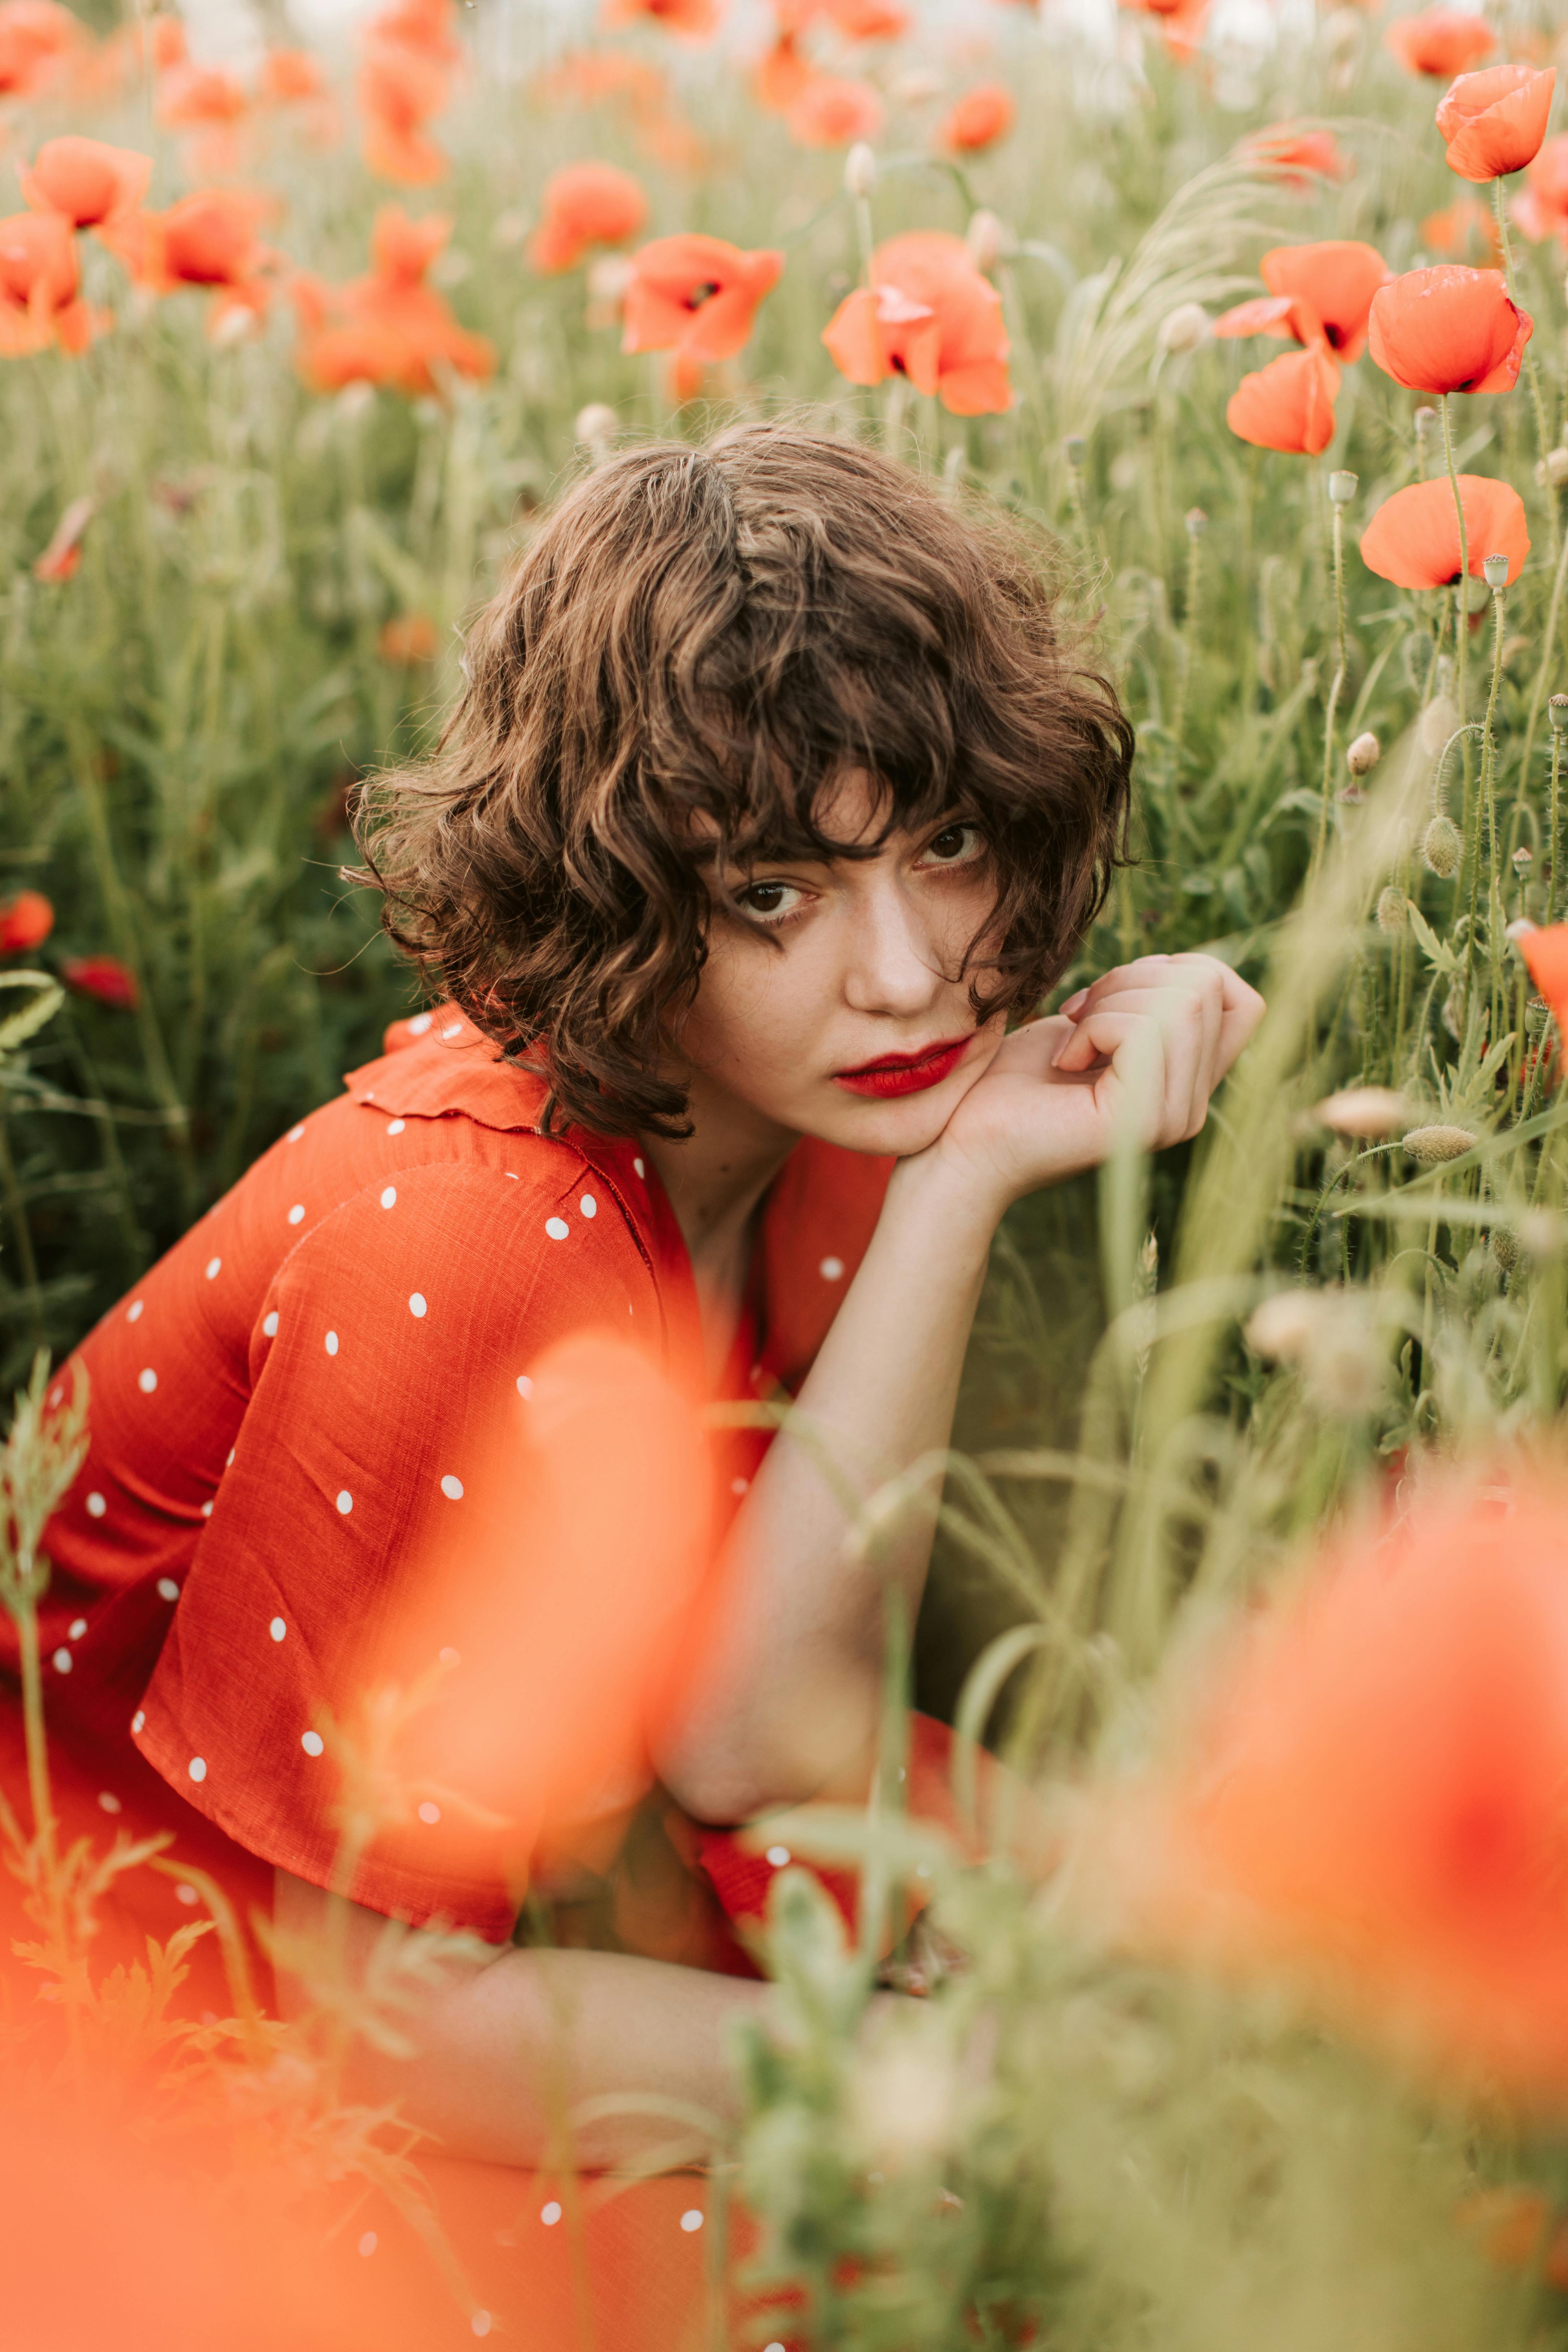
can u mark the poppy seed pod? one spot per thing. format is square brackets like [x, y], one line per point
[987, 240]
[1196, 521]
[1363, 754]
[1441, 846]
[1342, 487]
[1557, 711]
[1494, 570]
[1425, 422]
[1553, 469]
[1523, 860]
[1393, 909]
[1183, 329]
[595, 423]
[860, 171]
[1429, 1147]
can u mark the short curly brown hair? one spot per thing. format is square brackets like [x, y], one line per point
[695, 646]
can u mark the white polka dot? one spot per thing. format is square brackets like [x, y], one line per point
[429, 1812]
[109, 1801]
[513, 1173]
[214, 1267]
[369, 2242]
[294, 1134]
[831, 1268]
[557, 1228]
[278, 1628]
[775, 2346]
[450, 1657]
[139, 1718]
[228, 1459]
[395, 1126]
[639, 1166]
[269, 1324]
[692, 2219]
[778, 1856]
[147, 1381]
[345, 1502]
[312, 1742]
[96, 1507]
[524, 1387]
[133, 1312]
[167, 1589]
[296, 1213]
[420, 1023]
[480, 2322]
[207, 1510]
[550, 2214]
[330, 1343]
[589, 1206]
[55, 1395]
[197, 1767]
[739, 1486]
[77, 1629]
[416, 1303]
[62, 1662]
[370, 1098]
[452, 1488]
[389, 1198]
[186, 1893]
[453, 1029]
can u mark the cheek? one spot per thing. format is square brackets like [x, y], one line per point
[755, 1007]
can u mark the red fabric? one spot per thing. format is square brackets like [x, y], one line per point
[300, 1393]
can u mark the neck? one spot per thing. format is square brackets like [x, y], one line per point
[715, 1178]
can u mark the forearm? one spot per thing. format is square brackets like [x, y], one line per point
[785, 1697]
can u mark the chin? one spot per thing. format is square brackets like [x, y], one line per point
[892, 1128]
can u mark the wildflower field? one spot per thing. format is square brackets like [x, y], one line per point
[1258, 317]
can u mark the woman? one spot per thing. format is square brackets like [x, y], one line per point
[771, 798]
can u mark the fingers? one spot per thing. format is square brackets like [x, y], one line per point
[1189, 992]
[1138, 1081]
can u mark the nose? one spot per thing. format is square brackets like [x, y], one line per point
[893, 964]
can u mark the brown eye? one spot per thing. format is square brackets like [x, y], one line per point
[955, 845]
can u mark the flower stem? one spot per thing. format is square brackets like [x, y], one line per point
[1461, 613]
[1531, 370]
[1488, 814]
[1189, 638]
[1552, 843]
[1334, 689]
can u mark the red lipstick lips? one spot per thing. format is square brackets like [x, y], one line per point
[905, 1073]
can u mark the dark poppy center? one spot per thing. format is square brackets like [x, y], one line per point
[700, 294]
[1336, 337]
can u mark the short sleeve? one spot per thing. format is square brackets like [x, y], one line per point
[390, 1358]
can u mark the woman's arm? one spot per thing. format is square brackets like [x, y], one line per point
[784, 1703]
[505, 2048]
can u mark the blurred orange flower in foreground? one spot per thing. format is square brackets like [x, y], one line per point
[584, 205]
[1287, 405]
[26, 922]
[1546, 954]
[695, 296]
[1367, 1792]
[1414, 537]
[40, 287]
[1297, 155]
[104, 978]
[1494, 122]
[929, 315]
[1440, 42]
[388, 327]
[210, 238]
[407, 640]
[1316, 293]
[830, 112]
[1541, 207]
[1450, 328]
[84, 181]
[981, 117]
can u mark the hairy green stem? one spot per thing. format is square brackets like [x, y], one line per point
[1552, 827]
[1334, 691]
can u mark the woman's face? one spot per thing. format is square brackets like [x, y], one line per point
[830, 1004]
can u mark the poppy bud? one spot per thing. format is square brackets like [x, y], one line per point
[1184, 329]
[1519, 931]
[1557, 711]
[1198, 522]
[104, 978]
[1553, 469]
[1455, 1010]
[1425, 424]
[1393, 906]
[1523, 860]
[986, 240]
[1537, 1014]
[1429, 1147]
[1072, 449]
[1363, 755]
[596, 423]
[26, 922]
[1342, 487]
[1441, 847]
[859, 170]
[1437, 723]
[1494, 570]
[1368, 1113]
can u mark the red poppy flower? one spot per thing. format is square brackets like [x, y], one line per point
[389, 327]
[39, 281]
[1546, 953]
[408, 640]
[1459, 227]
[193, 98]
[1494, 122]
[1541, 207]
[1441, 42]
[694, 20]
[1448, 330]
[1296, 156]
[1182, 22]
[399, 88]
[586, 203]
[60, 559]
[831, 112]
[868, 20]
[1289, 404]
[426, 26]
[697, 296]
[84, 181]
[291, 78]
[781, 75]
[104, 978]
[26, 922]
[38, 43]
[1366, 1792]
[931, 316]
[1414, 537]
[209, 238]
[981, 117]
[1316, 293]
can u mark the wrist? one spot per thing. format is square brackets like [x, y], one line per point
[946, 1195]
